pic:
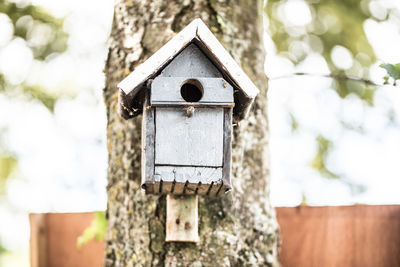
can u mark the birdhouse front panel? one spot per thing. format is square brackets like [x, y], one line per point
[189, 140]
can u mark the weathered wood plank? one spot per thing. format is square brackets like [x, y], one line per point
[191, 61]
[225, 60]
[148, 140]
[196, 33]
[38, 240]
[360, 235]
[167, 91]
[53, 241]
[189, 141]
[227, 168]
[181, 174]
[215, 189]
[196, 29]
[346, 236]
[182, 219]
[187, 179]
[159, 59]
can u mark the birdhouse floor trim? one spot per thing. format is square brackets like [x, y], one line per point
[187, 180]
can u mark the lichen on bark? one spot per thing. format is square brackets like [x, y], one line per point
[237, 230]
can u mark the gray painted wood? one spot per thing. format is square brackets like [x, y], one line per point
[182, 219]
[167, 91]
[181, 174]
[227, 168]
[186, 152]
[148, 130]
[187, 180]
[196, 30]
[174, 59]
[191, 62]
[189, 141]
[134, 81]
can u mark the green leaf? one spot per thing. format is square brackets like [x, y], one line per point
[96, 230]
[319, 161]
[393, 70]
[7, 166]
[294, 123]
[3, 250]
[36, 92]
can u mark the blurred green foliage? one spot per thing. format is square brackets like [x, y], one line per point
[393, 71]
[42, 31]
[96, 231]
[44, 35]
[3, 250]
[333, 23]
[7, 166]
[327, 25]
[319, 161]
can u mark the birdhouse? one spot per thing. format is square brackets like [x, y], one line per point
[190, 92]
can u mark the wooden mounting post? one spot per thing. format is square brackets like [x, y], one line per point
[182, 219]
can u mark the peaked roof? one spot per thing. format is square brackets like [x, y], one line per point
[197, 32]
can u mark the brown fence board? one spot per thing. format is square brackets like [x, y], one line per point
[340, 236]
[367, 236]
[53, 241]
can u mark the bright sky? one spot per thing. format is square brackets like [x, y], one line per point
[63, 157]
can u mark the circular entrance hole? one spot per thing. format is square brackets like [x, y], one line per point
[192, 91]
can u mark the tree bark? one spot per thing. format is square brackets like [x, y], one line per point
[239, 229]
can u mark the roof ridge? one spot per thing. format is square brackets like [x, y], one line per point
[194, 31]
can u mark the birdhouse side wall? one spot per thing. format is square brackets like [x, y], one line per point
[148, 146]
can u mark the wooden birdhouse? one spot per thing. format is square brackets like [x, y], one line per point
[190, 92]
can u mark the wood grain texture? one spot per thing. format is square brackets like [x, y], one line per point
[193, 35]
[182, 219]
[148, 142]
[191, 61]
[38, 240]
[197, 178]
[196, 29]
[189, 141]
[167, 91]
[351, 236]
[227, 168]
[54, 237]
[163, 56]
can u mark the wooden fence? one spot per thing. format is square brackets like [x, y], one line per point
[53, 241]
[311, 236]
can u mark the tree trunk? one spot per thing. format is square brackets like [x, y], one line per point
[239, 229]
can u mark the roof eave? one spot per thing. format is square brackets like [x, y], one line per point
[199, 32]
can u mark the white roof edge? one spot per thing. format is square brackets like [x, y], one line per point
[198, 29]
[159, 58]
[226, 61]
